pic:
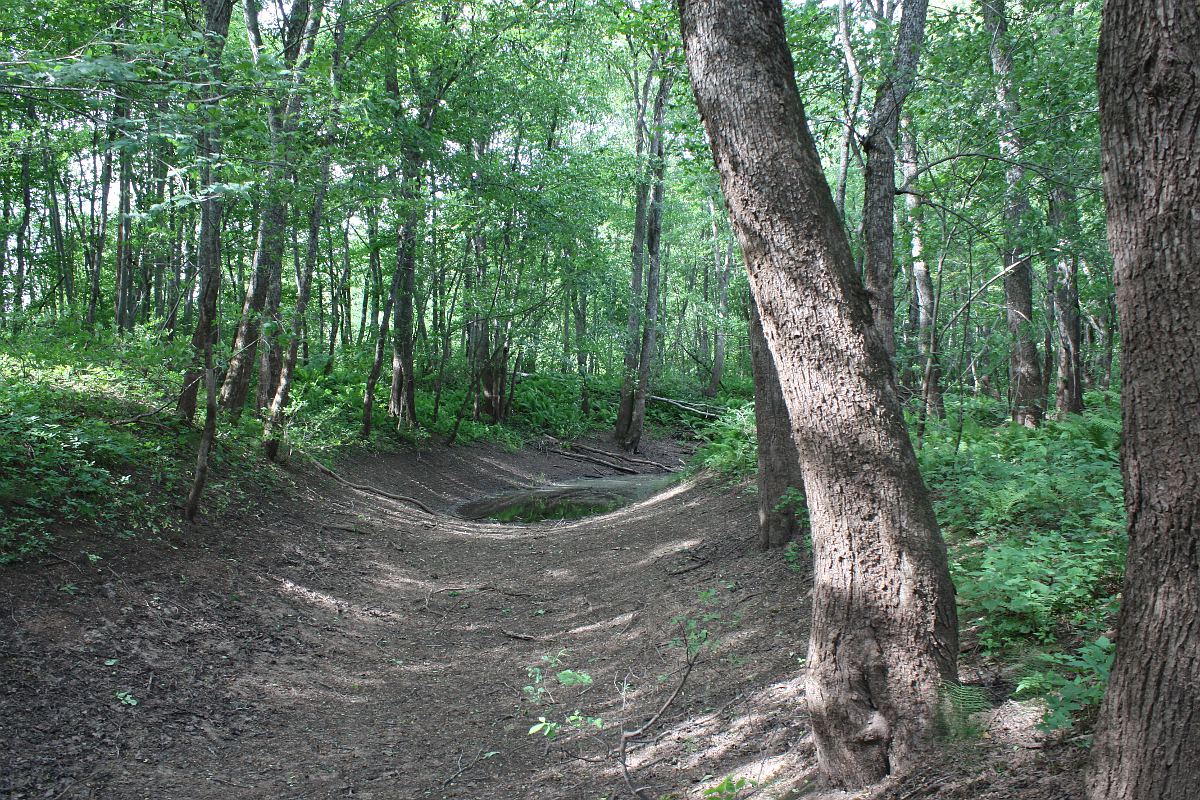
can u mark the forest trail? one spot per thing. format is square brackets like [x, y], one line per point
[327, 643]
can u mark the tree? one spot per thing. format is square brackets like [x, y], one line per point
[778, 461]
[879, 195]
[884, 630]
[1149, 71]
[1026, 390]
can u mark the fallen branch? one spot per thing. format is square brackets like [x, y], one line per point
[691, 409]
[622, 456]
[412, 501]
[600, 461]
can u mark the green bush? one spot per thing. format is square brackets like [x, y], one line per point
[729, 444]
[1035, 520]
[1072, 685]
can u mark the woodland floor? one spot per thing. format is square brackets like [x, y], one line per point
[324, 643]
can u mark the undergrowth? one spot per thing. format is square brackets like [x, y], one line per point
[1034, 520]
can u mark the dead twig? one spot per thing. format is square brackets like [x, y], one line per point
[483, 756]
[691, 409]
[524, 637]
[628, 736]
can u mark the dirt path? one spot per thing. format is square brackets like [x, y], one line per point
[332, 644]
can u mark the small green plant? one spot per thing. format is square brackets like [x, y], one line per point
[578, 721]
[546, 728]
[729, 788]
[126, 698]
[794, 556]
[534, 690]
[730, 444]
[570, 677]
[1072, 685]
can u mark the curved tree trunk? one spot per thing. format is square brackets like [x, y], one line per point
[884, 628]
[1149, 71]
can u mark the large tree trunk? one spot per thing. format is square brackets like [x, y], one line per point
[778, 461]
[1149, 71]
[884, 628]
[879, 192]
[1026, 390]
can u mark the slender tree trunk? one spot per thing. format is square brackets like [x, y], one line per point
[1064, 219]
[723, 268]
[272, 426]
[579, 310]
[1149, 70]
[216, 13]
[402, 403]
[300, 29]
[884, 628]
[1026, 388]
[637, 417]
[778, 461]
[23, 231]
[192, 504]
[879, 193]
[927, 339]
[851, 111]
[633, 325]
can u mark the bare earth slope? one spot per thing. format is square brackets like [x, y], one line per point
[328, 643]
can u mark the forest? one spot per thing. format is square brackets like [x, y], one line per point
[600, 398]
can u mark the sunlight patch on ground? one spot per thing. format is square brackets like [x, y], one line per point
[335, 604]
[603, 624]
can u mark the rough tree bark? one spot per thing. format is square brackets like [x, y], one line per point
[778, 461]
[1149, 76]
[884, 629]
